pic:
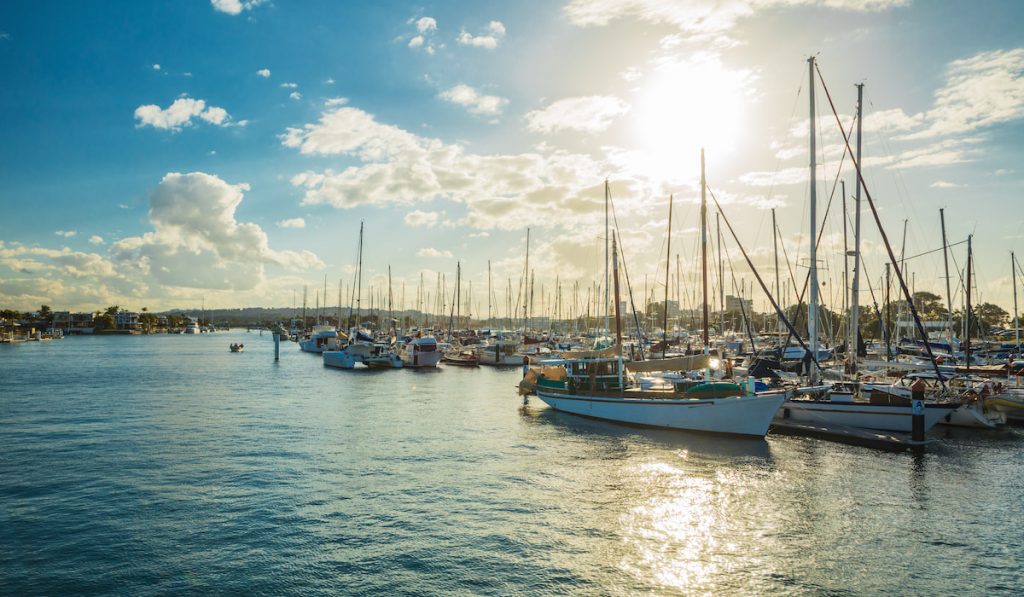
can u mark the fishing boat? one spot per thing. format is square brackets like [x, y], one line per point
[321, 338]
[461, 358]
[347, 356]
[420, 353]
[382, 357]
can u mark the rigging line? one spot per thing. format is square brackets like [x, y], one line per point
[934, 250]
[881, 231]
[760, 281]
[743, 311]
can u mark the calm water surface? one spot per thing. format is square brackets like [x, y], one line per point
[141, 465]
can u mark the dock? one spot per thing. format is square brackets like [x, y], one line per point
[883, 440]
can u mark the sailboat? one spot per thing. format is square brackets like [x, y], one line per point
[359, 346]
[844, 403]
[605, 386]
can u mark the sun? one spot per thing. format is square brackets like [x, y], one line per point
[687, 104]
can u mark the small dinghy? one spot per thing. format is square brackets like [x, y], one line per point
[237, 347]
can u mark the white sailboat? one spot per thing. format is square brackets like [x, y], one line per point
[845, 404]
[605, 388]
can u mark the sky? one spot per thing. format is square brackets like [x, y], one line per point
[170, 154]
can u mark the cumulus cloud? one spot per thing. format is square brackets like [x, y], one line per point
[426, 27]
[295, 95]
[292, 223]
[197, 242]
[264, 72]
[336, 101]
[489, 39]
[234, 7]
[96, 240]
[589, 114]
[432, 252]
[418, 218]
[66, 233]
[498, 191]
[180, 114]
[426, 24]
[476, 102]
[290, 85]
[156, 67]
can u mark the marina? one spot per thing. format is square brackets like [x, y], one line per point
[446, 481]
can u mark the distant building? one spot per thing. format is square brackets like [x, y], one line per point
[737, 304]
[127, 320]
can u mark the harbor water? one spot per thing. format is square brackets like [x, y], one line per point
[154, 464]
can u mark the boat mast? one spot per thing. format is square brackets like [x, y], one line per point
[607, 197]
[704, 257]
[391, 307]
[778, 284]
[855, 287]
[812, 307]
[618, 319]
[967, 309]
[1016, 321]
[488, 293]
[668, 262]
[526, 279]
[949, 293]
[846, 273]
[359, 278]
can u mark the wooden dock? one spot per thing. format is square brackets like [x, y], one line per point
[883, 440]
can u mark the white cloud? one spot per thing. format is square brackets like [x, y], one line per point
[290, 85]
[425, 24]
[481, 234]
[980, 91]
[590, 114]
[292, 223]
[498, 191]
[432, 252]
[66, 233]
[196, 241]
[156, 67]
[699, 17]
[466, 96]
[264, 72]
[418, 218]
[416, 41]
[336, 101]
[234, 7]
[489, 40]
[328, 81]
[295, 95]
[180, 113]
[96, 240]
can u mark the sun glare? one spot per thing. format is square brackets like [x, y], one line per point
[686, 105]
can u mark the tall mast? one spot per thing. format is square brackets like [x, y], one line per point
[488, 292]
[526, 278]
[704, 255]
[812, 307]
[855, 288]
[1016, 321]
[721, 277]
[359, 278]
[618, 319]
[607, 198]
[949, 293]
[778, 285]
[391, 307]
[967, 309]
[668, 262]
[846, 277]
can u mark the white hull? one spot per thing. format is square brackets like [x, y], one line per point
[739, 415]
[969, 415]
[347, 358]
[310, 345]
[421, 359]
[859, 414]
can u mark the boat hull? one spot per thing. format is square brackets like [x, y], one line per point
[735, 415]
[421, 360]
[883, 417]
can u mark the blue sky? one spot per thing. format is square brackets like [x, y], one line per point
[156, 154]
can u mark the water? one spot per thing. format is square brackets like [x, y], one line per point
[142, 465]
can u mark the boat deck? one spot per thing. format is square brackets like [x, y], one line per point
[883, 440]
